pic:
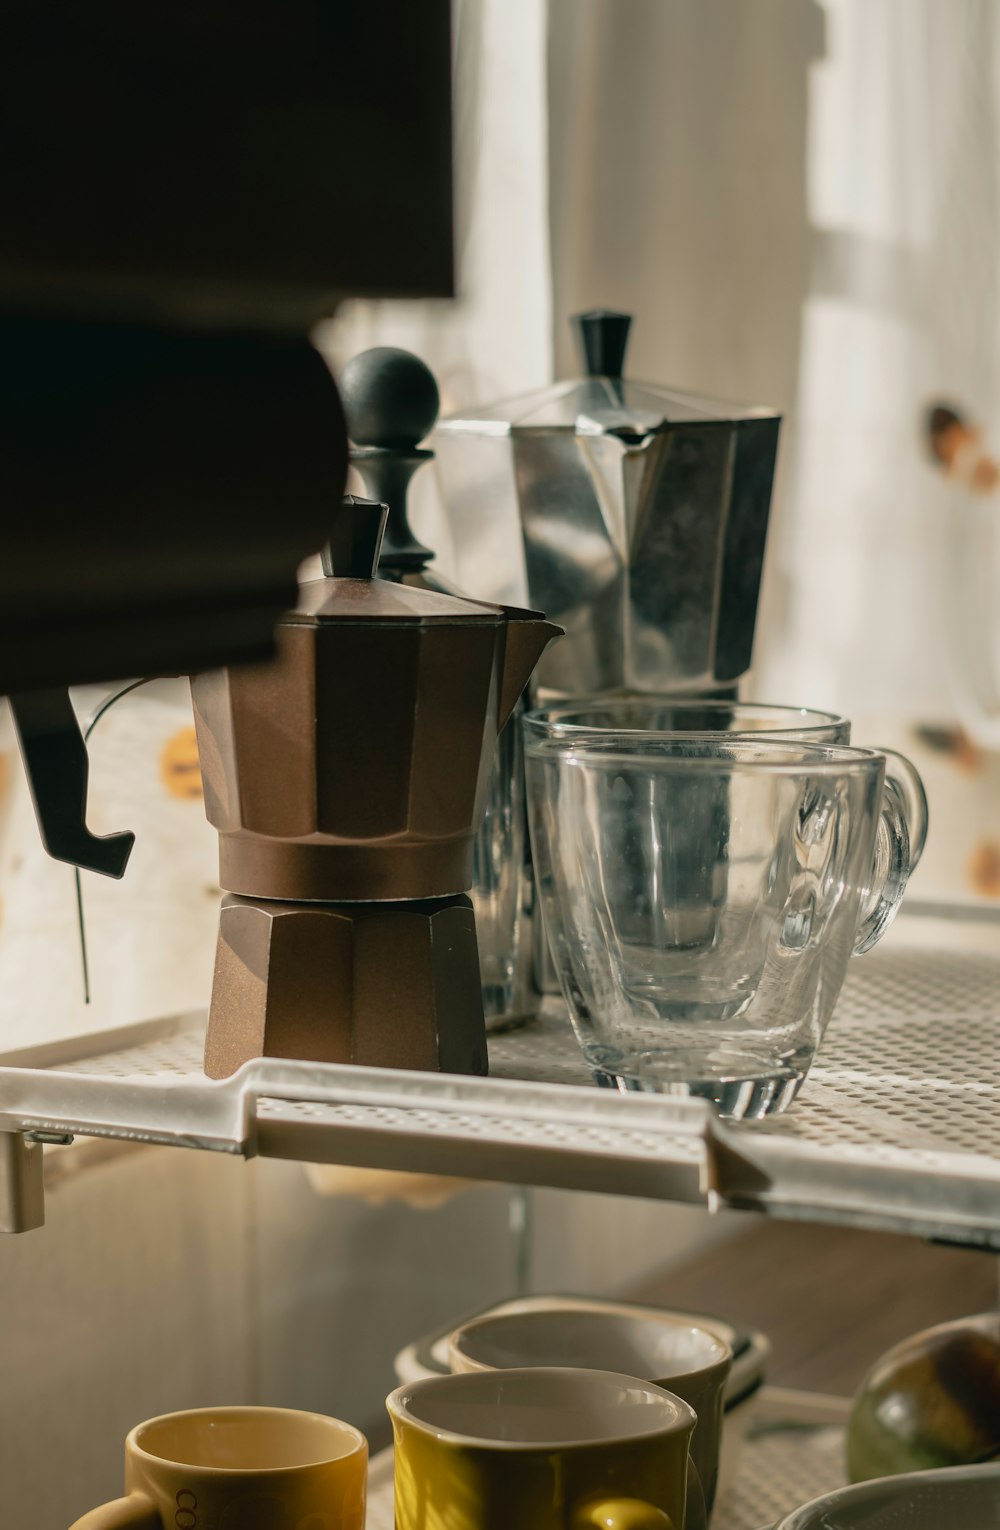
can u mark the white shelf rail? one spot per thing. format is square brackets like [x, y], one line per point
[897, 1128]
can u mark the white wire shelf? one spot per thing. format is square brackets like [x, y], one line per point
[898, 1126]
[793, 1452]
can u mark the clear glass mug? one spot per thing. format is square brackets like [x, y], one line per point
[703, 896]
[652, 715]
[679, 714]
[671, 715]
[501, 886]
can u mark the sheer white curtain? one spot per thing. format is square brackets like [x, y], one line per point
[798, 201]
[901, 310]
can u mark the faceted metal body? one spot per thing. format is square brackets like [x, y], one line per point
[356, 766]
[377, 984]
[347, 781]
[318, 794]
[635, 518]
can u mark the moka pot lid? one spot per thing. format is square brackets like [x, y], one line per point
[602, 403]
[350, 591]
[381, 600]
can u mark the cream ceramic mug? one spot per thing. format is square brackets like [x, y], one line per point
[547, 1448]
[239, 1469]
[683, 1357]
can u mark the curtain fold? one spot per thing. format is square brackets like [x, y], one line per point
[901, 310]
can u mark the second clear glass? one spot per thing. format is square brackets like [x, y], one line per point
[703, 897]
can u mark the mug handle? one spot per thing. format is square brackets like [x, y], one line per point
[696, 1514]
[620, 1514]
[135, 1512]
[902, 823]
[907, 778]
[637, 1514]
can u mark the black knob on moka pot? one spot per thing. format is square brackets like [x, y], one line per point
[391, 402]
[602, 335]
[355, 543]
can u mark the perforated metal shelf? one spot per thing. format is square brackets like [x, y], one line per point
[898, 1126]
[793, 1451]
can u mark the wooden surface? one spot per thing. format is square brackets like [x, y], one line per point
[830, 1300]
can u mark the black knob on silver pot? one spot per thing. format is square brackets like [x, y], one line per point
[603, 338]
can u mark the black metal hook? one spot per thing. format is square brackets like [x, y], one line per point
[57, 767]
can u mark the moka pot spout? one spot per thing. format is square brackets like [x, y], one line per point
[528, 634]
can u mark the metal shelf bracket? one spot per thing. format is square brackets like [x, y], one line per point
[22, 1193]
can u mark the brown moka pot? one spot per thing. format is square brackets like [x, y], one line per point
[347, 780]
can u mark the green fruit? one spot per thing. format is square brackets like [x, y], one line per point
[933, 1400]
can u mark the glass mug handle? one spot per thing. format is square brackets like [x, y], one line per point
[907, 778]
[902, 831]
[132, 1513]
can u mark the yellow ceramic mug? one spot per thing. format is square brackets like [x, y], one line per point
[549, 1448]
[240, 1469]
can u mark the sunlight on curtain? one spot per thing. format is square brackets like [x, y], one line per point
[901, 310]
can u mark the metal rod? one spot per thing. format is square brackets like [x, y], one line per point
[105, 706]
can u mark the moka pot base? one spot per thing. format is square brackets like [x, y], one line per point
[375, 984]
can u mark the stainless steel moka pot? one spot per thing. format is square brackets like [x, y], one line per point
[635, 516]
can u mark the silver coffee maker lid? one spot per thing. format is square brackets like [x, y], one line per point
[634, 515]
[603, 402]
